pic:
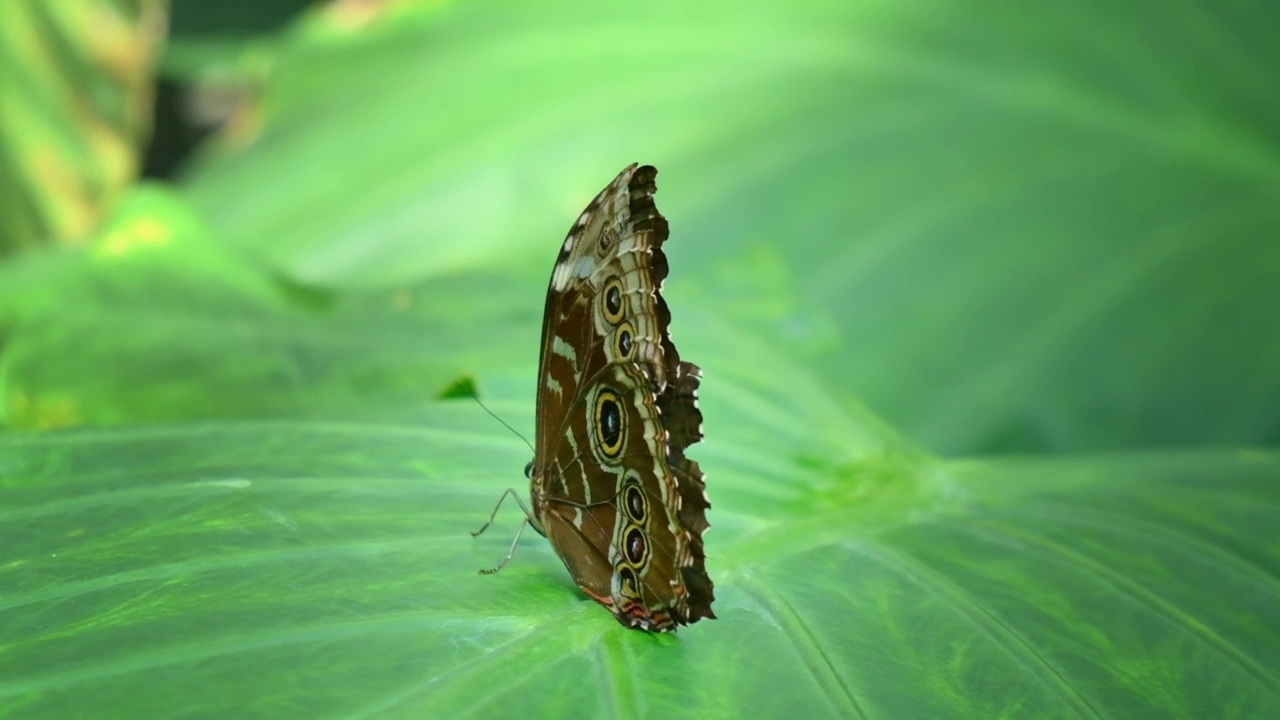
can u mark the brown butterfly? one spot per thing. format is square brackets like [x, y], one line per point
[610, 485]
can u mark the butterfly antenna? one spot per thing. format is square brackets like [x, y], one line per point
[494, 415]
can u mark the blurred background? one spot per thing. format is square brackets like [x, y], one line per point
[1003, 228]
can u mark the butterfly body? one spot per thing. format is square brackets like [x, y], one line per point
[610, 485]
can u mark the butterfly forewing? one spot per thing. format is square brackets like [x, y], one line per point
[611, 486]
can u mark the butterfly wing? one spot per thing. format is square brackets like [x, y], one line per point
[612, 489]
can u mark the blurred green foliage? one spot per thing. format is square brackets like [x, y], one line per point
[75, 109]
[909, 240]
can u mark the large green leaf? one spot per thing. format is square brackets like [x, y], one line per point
[1005, 227]
[325, 570]
[160, 321]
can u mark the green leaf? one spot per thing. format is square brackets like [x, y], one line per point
[325, 570]
[167, 323]
[1048, 228]
[75, 109]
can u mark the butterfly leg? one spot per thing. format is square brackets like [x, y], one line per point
[528, 520]
[510, 551]
[502, 499]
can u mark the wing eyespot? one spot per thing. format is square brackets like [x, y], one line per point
[636, 505]
[609, 423]
[623, 341]
[636, 547]
[608, 238]
[628, 585]
[612, 308]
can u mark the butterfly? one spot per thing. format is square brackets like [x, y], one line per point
[610, 486]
